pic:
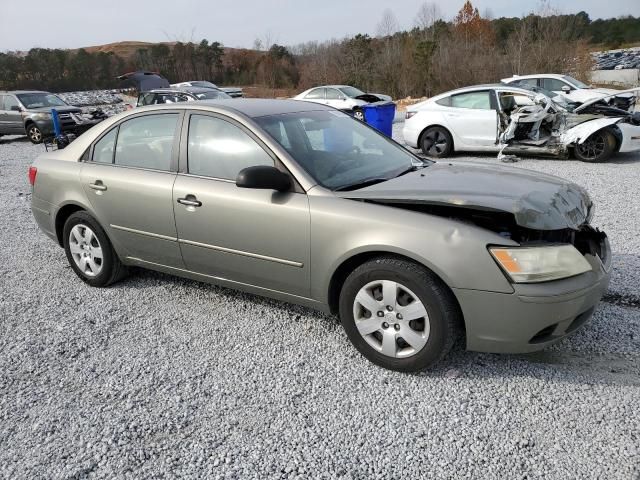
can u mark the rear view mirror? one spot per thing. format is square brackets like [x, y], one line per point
[566, 88]
[263, 177]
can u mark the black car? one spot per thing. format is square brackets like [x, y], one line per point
[181, 94]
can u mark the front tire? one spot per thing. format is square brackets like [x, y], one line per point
[598, 147]
[436, 142]
[34, 133]
[90, 252]
[398, 314]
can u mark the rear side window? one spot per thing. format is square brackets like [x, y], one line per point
[147, 142]
[316, 93]
[445, 102]
[103, 151]
[527, 81]
[146, 99]
[472, 100]
[219, 149]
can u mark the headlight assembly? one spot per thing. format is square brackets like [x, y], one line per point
[540, 264]
[41, 116]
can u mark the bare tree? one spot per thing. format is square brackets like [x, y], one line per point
[428, 14]
[388, 24]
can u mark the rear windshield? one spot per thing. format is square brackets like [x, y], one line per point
[40, 100]
[212, 95]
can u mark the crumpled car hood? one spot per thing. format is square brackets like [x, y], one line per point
[536, 200]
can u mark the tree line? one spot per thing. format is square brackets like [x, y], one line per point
[434, 55]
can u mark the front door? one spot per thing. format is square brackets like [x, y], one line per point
[250, 236]
[10, 116]
[473, 118]
[129, 182]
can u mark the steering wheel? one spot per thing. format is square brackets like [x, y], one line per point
[347, 163]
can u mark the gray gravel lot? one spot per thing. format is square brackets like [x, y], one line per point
[160, 377]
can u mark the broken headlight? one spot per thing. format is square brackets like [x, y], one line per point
[540, 264]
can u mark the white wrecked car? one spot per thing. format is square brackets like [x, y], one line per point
[523, 121]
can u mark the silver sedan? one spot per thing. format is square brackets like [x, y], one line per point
[300, 202]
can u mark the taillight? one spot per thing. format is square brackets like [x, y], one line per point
[33, 171]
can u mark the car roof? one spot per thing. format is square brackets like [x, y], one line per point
[249, 107]
[486, 86]
[182, 90]
[538, 75]
[15, 92]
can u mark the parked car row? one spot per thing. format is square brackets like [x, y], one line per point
[522, 116]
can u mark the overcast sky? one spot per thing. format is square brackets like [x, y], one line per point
[235, 23]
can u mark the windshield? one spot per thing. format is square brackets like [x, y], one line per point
[212, 95]
[40, 100]
[340, 153]
[203, 83]
[575, 83]
[351, 91]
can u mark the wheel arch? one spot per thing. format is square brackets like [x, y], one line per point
[61, 217]
[349, 264]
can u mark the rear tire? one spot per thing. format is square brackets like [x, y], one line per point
[436, 142]
[398, 314]
[358, 114]
[598, 147]
[90, 252]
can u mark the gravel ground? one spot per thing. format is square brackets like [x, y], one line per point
[160, 377]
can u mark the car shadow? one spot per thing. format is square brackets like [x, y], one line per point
[13, 139]
[617, 361]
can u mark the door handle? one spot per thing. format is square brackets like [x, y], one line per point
[190, 201]
[98, 185]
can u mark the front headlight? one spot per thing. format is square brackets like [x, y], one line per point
[41, 116]
[540, 264]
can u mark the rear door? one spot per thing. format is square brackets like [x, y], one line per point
[473, 118]
[129, 181]
[335, 98]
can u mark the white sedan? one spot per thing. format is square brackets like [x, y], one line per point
[343, 97]
[571, 88]
[506, 119]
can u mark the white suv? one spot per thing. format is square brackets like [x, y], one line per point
[570, 88]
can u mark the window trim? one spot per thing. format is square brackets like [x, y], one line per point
[175, 150]
[184, 145]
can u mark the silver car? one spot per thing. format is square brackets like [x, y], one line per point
[300, 202]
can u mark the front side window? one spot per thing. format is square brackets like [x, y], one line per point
[472, 100]
[352, 92]
[316, 93]
[220, 149]
[336, 150]
[147, 142]
[10, 101]
[103, 150]
[553, 84]
[333, 94]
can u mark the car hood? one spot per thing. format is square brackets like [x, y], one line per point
[536, 200]
[606, 94]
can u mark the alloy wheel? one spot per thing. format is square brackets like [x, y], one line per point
[86, 250]
[435, 142]
[593, 147]
[359, 115]
[391, 318]
[35, 135]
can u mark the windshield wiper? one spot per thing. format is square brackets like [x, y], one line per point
[362, 184]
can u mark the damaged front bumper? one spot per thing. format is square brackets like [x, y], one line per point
[534, 315]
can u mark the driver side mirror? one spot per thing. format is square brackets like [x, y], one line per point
[263, 177]
[566, 88]
[16, 108]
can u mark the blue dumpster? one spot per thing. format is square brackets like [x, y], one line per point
[380, 116]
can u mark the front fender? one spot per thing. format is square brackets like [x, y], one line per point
[580, 133]
[453, 250]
